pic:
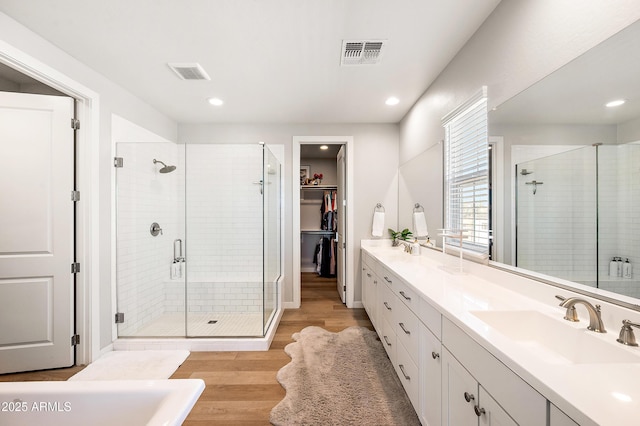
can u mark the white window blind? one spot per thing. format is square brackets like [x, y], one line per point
[466, 179]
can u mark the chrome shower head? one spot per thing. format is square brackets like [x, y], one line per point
[165, 169]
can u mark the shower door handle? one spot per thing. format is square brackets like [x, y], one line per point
[261, 183]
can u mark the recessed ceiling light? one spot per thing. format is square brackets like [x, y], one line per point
[392, 101]
[323, 147]
[615, 103]
[216, 101]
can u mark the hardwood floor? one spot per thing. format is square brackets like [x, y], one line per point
[241, 387]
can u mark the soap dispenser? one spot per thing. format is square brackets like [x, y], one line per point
[613, 267]
[626, 269]
[415, 248]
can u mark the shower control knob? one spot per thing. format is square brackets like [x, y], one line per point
[155, 229]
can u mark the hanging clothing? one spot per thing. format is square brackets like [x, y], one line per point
[325, 257]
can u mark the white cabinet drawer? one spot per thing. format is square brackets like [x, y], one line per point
[407, 294]
[388, 338]
[408, 373]
[407, 328]
[388, 277]
[386, 302]
[521, 401]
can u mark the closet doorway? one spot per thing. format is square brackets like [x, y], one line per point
[322, 222]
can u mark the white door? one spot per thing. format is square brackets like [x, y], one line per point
[36, 232]
[342, 220]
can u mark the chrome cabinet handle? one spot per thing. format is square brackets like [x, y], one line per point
[404, 329]
[386, 305]
[469, 397]
[388, 280]
[435, 355]
[405, 296]
[479, 411]
[386, 340]
[403, 373]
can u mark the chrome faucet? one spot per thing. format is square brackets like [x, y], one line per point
[595, 317]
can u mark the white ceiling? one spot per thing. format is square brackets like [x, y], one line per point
[274, 61]
[577, 92]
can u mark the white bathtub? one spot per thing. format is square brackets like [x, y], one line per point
[115, 402]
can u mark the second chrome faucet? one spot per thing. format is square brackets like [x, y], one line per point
[595, 317]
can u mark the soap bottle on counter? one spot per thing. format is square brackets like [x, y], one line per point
[415, 248]
[627, 269]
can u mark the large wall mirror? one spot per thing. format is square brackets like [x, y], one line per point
[571, 187]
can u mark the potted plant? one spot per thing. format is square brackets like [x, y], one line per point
[404, 235]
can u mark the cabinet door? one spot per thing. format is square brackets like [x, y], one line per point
[490, 413]
[459, 393]
[558, 418]
[430, 378]
[369, 294]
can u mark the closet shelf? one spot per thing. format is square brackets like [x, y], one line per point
[325, 187]
[316, 231]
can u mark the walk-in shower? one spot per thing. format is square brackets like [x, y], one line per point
[212, 269]
[584, 215]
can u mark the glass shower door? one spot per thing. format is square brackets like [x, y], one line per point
[150, 290]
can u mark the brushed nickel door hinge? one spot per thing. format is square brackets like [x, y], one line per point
[119, 317]
[75, 340]
[75, 124]
[118, 162]
[75, 267]
[75, 195]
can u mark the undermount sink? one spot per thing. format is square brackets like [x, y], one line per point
[555, 341]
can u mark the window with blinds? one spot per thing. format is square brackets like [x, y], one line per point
[466, 167]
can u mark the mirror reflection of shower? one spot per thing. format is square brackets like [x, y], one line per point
[165, 169]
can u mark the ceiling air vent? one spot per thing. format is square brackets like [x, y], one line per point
[362, 52]
[189, 71]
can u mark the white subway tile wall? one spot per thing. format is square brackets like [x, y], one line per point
[557, 225]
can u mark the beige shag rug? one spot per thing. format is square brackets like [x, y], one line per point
[340, 378]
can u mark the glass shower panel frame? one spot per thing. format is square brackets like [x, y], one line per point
[271, 179]
[150, 298]
[556, 215]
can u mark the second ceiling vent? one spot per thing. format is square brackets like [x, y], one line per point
[362, 52]
[189, 71]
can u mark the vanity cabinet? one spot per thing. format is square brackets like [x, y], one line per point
[439, 365]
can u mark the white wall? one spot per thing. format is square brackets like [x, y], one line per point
[374, 174]
[113, 99]
[520, 43]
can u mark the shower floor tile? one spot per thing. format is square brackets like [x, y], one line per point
[226, 325]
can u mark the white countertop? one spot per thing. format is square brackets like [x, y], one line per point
[590, 393]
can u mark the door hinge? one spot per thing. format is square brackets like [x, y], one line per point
[75, 267]
[118, 162]
[75, 195]
[344, 288]
[119, 317]
[75, 124]
[75, 340]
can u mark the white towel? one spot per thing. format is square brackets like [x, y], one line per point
[419, 225]
[378, 224]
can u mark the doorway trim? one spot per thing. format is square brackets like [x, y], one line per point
[87, 289]
[295, 197]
